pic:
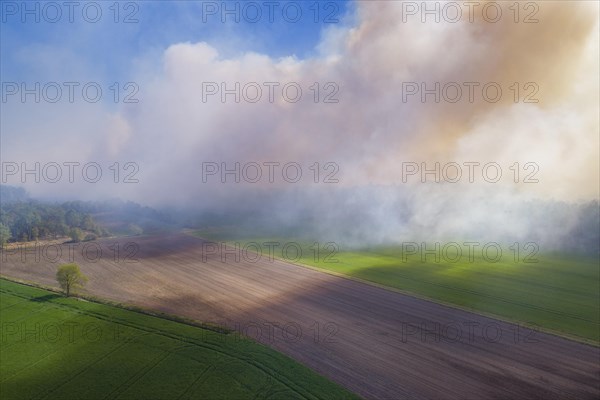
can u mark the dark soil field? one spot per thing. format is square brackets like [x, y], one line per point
[373, 341]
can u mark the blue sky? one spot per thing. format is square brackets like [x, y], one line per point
[106, 50]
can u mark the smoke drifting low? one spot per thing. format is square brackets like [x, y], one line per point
[375, 62]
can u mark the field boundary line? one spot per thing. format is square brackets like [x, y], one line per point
[541, 329]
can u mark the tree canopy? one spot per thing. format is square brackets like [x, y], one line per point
[32, 220]
[70, 278]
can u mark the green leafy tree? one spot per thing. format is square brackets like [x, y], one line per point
[87, 223]
[76, 234]
[70, 278]
[73, 218]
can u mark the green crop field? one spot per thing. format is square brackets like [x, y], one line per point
[54, 347]
[556, 292]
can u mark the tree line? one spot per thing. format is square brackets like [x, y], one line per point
[30, 220]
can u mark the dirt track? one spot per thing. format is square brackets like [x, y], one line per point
[378, 343]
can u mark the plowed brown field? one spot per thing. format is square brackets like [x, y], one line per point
[376, 342]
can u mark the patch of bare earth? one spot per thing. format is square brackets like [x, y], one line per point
[378, 343]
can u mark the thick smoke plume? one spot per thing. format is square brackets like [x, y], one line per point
[369, 133]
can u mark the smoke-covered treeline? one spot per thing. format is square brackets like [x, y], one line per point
[25, 219]
[372, 58]
[392, 214]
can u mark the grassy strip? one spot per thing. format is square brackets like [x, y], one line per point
[138, 355]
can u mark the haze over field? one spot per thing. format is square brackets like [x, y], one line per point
[300, 199]
[375, 127]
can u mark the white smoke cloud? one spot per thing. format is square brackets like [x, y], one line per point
[369, 133]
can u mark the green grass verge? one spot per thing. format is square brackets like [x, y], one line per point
[558, 293]
[54, 347]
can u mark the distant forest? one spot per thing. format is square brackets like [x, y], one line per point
[572, 227]
[24, 219]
